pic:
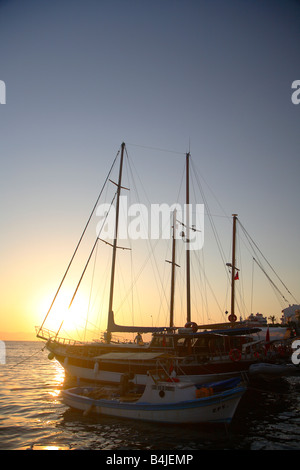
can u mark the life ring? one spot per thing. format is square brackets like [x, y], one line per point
[232, 318]
[191, 325]
[235, 355]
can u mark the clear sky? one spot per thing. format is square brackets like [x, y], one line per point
[82, 76]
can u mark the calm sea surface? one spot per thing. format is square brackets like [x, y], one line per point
[31, 412]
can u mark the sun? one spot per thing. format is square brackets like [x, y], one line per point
[65, 315]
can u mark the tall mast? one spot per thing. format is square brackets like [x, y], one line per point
[113, 265]
[173, 272]
[233, 268]
[188, 282]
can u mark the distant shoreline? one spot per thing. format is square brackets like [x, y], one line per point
[17, 336]
[30, 336]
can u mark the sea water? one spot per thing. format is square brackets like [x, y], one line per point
[32, 413]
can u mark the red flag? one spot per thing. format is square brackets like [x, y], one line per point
[236, 277]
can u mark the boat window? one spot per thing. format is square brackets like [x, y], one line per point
[237, 341]
[184, 342]
[168, 342]
[216, 344]
[155, 341]
[200, 343]
[162, 341]
[180, 342]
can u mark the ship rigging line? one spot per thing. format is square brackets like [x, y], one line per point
[78, 244]
[252, 241]
[157, 149]
[270, 280]
[218, 242]
[88, 261]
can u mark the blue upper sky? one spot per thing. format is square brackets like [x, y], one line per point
[83, 75]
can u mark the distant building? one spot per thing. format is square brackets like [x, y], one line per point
[291, 313]
[257, 320]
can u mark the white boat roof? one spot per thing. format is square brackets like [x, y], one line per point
[131, 356]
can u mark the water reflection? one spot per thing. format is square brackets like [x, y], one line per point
[59, 381]
[32, 412]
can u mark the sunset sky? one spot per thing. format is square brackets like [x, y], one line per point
[81, 76]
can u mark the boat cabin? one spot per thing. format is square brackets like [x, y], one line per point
[200, 343]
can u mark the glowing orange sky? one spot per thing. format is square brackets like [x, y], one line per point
[215, 79]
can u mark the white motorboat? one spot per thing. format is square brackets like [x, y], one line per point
[164, 399]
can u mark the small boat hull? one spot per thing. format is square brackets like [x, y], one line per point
[218, 408]
[273, 371]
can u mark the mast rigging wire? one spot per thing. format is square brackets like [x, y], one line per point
[78, 244]
[270, 280]
[252, 241]
[88, 261]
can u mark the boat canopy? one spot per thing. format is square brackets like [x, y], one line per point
[226, 332]
[237, 331]
[113, 328]
[131, 356]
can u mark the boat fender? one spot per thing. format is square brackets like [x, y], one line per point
[50, 356]
[235, 355]
[96, 368]
[191, 325]
[204, 392]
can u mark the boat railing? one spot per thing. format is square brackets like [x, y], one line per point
[163, 369]
[247, 351]
[167, 370]
[68, 341]
[44, 333]
[47, 335]
[158, 375]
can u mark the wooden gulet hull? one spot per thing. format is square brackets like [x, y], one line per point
[109, 376]
[104, 371]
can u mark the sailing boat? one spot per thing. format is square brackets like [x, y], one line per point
[217, 352]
